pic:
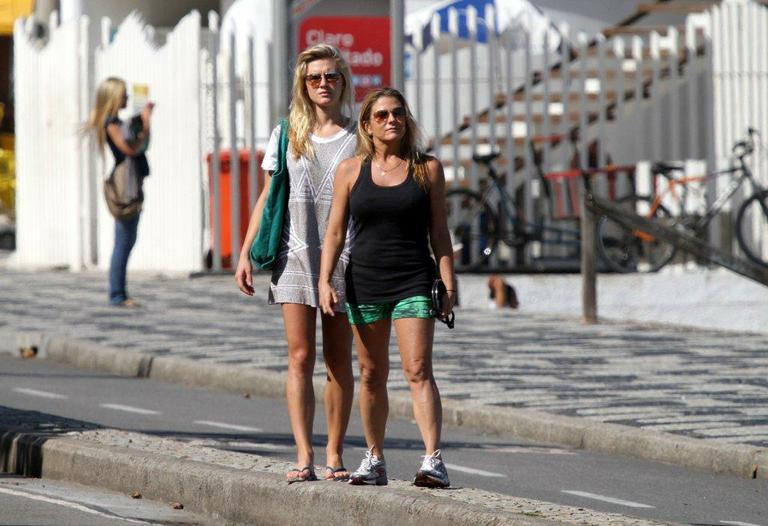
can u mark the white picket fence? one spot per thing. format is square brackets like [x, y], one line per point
[52, 196]
[62, 217]
[704, 85]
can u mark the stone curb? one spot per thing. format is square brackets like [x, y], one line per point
[240, 496]
[574, 432]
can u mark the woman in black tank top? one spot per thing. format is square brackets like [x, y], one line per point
[395, 197]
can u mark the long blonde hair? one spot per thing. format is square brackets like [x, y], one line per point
[302, 116]
[410, 145]
[109, 100]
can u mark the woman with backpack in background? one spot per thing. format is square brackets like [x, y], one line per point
[128, 146]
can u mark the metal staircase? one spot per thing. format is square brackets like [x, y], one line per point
[627, 63]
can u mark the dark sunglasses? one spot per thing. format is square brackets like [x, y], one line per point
[383, 115]
[314, 79]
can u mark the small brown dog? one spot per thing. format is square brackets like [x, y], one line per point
[502, 292]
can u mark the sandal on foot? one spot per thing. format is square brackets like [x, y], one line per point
[336, 474]
[129, 303]
[305, 474]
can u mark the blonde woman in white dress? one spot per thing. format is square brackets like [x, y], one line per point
[320, 137]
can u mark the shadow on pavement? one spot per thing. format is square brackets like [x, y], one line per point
[23, 434]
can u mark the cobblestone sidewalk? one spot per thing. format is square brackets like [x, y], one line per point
[699, 383]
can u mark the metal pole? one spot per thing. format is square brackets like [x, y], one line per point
[250, 125]
[213, 25]
[588, 256]
[473, 118]
[280, 81]
[437, 103]
[234, 153]
[397, 40]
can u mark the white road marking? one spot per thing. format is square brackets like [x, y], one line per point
[531, 450]
[222, 425]
[259, 445]
[739, 523]
[473, 471]
[41, 394]
[130, 409]
[612, 500]
[71, 505]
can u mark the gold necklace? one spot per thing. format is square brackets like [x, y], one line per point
[382, 170]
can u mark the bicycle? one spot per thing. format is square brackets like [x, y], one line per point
[477, 226]
[625, 250]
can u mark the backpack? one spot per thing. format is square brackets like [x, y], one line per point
[122, 190]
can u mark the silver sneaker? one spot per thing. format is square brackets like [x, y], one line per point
[432, 473]
[372, 470]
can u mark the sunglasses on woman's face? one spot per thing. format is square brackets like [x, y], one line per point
[382, 116]
[315, 79]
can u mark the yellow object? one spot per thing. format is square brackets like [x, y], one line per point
[139, 96]
[7, 141]
[10, 10]
[7, 182]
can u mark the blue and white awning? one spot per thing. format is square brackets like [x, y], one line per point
[462, 18]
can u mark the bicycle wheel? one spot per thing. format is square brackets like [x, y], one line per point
[474, 229]
[625, 250]
[751, 226]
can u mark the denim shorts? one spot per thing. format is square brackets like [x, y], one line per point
[413, 307]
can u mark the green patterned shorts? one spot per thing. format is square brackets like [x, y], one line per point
[413, 307]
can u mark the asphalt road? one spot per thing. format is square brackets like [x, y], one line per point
[35, 502]
[501, 464]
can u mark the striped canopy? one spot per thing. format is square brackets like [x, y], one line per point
[457, 17]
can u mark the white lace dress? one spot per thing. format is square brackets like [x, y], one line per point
[297, 269]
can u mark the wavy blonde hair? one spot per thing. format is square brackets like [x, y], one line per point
[109, 100]
[410, 145]
[302, 118]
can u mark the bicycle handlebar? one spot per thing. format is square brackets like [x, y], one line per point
[747, 146]
[743, 148]
[485, 158]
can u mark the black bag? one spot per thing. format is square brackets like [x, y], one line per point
[438, 293]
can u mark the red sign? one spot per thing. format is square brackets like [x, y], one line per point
[362, 40]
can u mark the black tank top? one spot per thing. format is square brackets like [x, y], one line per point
[390, 257]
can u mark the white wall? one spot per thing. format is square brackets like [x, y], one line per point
[740, 89]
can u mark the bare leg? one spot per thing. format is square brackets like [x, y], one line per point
[414, 338]
[497, 285]
[372, 344]
[300, 323]
[340, 384]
